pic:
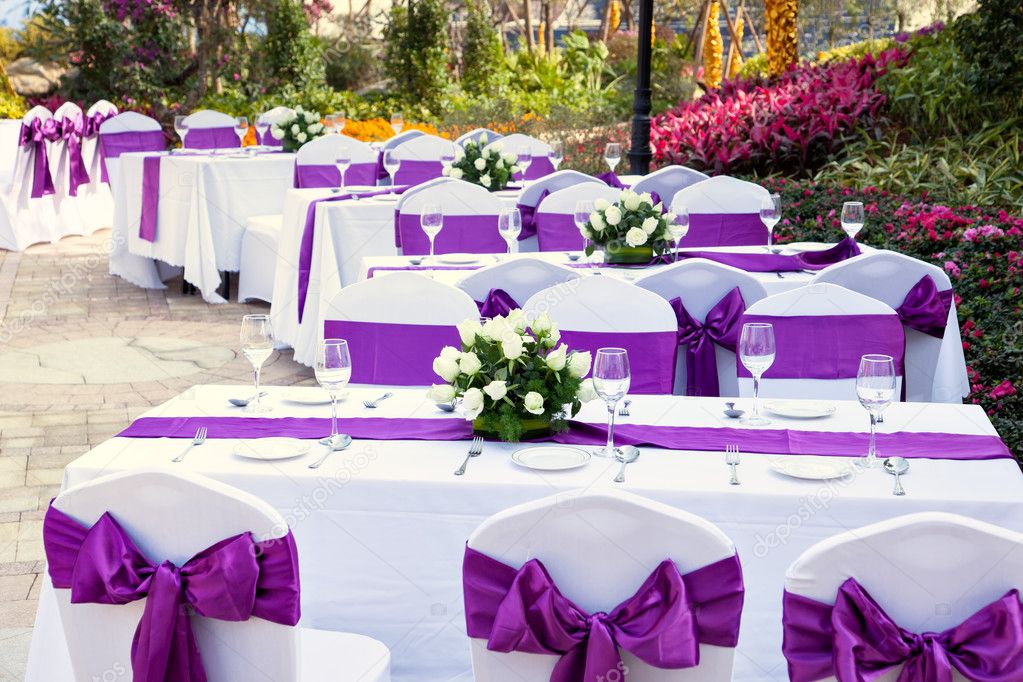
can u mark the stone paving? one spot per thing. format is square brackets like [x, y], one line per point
[81, 354]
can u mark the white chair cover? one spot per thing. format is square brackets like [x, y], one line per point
[173, 516]
[812, 301]
[701, 284]
[29, 220]
[475, 134]
[323, 151]
[520, 278]
[603, 304]
[128, 122]
[400, 138]
[552, 183]
[510, 143]
[935, 368]
[258, 261]
[424, 148]
[562, 203]
[721, 194]
[207, 118]
[402, 298]
[98, 201]
[455, 198]
[928, 571]
[598, 548]
[70, 218]
[669, 180]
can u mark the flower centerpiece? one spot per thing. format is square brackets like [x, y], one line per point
[513, 380]
[482, 165]
[631, 230]
[295, 130]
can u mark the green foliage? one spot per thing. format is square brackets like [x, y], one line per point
[290, 54]
[756, 66]
[991, 40]
[630, 222]
[585, 60]
[482, 53]
[415, 56]
[486, 167]
[9, 46]
[351, 62]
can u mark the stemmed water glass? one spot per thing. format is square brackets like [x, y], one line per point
[525, 157]
[257, 345]
[397, 122]
[343, 159]
[330, 123]
[770, 214]
[432, 221]
[581, 215]
[557, 153]
[391, 163]
[340, 121]
[333, 372]
[875, 387]
[241, 128]
[852, 218]
[611, 379]
[181, 128]
[680, 226]
[509, 224]
[262, 126]
[756, 351]
[612, 155]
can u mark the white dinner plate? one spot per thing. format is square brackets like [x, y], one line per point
[551, 457]
[270, 449]
[386, 197]
[811, 467]
[799, 409]
[457, 258]
[311, 395]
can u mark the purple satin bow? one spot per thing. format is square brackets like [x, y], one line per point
[818, 260]
[232, 580]
[73, 130]
[497, 303]
[93, 123]
[925, 308]
[721, 326]
[528, 214]
[37, 133]
[663, 624]
[611, 180]
[856, 641]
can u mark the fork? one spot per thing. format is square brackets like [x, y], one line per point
[475, 450]
[623, 411]
[732, 460]
[200, 438]
[373, 403]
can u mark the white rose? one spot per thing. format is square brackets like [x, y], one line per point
[483, 139]
[585, 233]
[510, 158]
[496, 390]
[533, 402]
[553, 336]
[601, 204]
[459, 154]
[650, 224]
[659, 207]
[596, 222]
[635, 236]
[485, 153]
[557, 358]
[299, 109]
[579, 363]
[446, 368]
[631, 201]
[311, 117]
[517, 320]
[480, 164]
[457, 173]
[450, 353]
[646, 198]
[445, 171]
[499, 163]
[586, 392]
[441, 393]
[315, 128]
[514, 168]
[468, 331]
[497, 146]
[276, 133]
[670, 217]
[494, 329]
[542, 324]
[472, 401]
[295, 129]
[613, 215]
[301, 137]
[485, 180]
[469, 363]
[512, 347]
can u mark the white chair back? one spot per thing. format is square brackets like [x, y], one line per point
[520, 278]
[474, 136]
[400, 138]
[207, 118]
[67, 110]
[598, 549]
[511, 143]
[721, 194]
[552, 183]
[37, 112]
[669, 180]
[277, 114]
[563, 201]
[33, 219]
[814, 301]
[59, 161]
[413, 191]
[554, 217]
[928, 571]
[701, 283]
[172, 516]
[935, 368]
[424, 148]
[603, 304]
[402, 298]
[455, 197]
[127, 122]
[323, 151]
[101, 107]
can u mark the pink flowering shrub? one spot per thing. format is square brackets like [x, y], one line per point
[791, 125]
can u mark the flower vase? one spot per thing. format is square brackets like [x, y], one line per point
[536, 427]
[628, 255]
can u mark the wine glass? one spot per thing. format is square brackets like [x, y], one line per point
[241, 128]
[756, 351]
[397, 122]
[611, 380]
[262, 126]
[340, 121]
[557, 153]
[432, 221]
[875, 387]
[680, 226]
[343, 159]
[391, 163]
[770, 214]
[509, 224]
[181, 128]
[333, 372]
[257, 345]
[330, 123]
[581, 215]
[612, 155]
[852, 218]
[525, 158]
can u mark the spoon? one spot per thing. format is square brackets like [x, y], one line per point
[446, 407]
[627, 455]
[415, 261]
[572, 256]
[896, 466]
[242, 402]
[334, 444]
[733, 413]
[373, 403]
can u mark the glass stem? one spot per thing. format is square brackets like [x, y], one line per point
[255, 380]
[431, 247]
[677, 242]
[872, 448]
[611, 427]
[333, 414]
[770, 239]
[756, 396]
[342, 178]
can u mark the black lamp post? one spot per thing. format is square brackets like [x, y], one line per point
[639, 152]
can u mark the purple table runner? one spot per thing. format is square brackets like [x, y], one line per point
[150, 197]
[704, 438]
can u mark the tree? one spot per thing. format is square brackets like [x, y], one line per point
[415, 58]
[291, 55]
[482, 54]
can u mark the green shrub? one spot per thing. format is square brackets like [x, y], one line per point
[415, 55]
[482, 53]
[290, 54]
[991, 40]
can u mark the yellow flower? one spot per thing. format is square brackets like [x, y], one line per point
[736, 63]
[782, 34]
[713, 47]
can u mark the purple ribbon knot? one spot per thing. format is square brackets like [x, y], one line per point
[36, 134]
[721, 326]
[73, 131]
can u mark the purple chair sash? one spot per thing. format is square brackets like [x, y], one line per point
[829, 346]
[610, 179]
[37, 134]
[211, 138]
[528, 214]
[461, 234]
[73, 130]
[724, 229]
[925, 308]
[497, 303]
[415, 172]
[150, 197]
[327, 175]
[268, 140]
[818, 260]
[112, 145]
[232, 580]
[775, 262]
[539, 167]
[662, 624]
[394, 354]
[93, 123]
[720, 326]
[651, 355]
[855, 640]
[558, 232]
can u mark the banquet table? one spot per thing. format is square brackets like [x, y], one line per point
[381, 526]
[204, 202]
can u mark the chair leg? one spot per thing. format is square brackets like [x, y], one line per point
[225, 287]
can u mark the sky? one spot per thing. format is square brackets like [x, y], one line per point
[12, 12]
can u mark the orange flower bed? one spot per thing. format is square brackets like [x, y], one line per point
[379, 129]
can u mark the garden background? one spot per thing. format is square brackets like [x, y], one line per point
[924, 126]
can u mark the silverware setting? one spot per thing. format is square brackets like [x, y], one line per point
[626, 455]
[475, 450]
[242, 402]
[373, 403]
[731, 412]
[199, 439]
[342, 441]
[732, 460]
[896, 466]
[623, 411]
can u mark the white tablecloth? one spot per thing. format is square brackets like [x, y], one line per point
[381, 526]
[204, 203]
